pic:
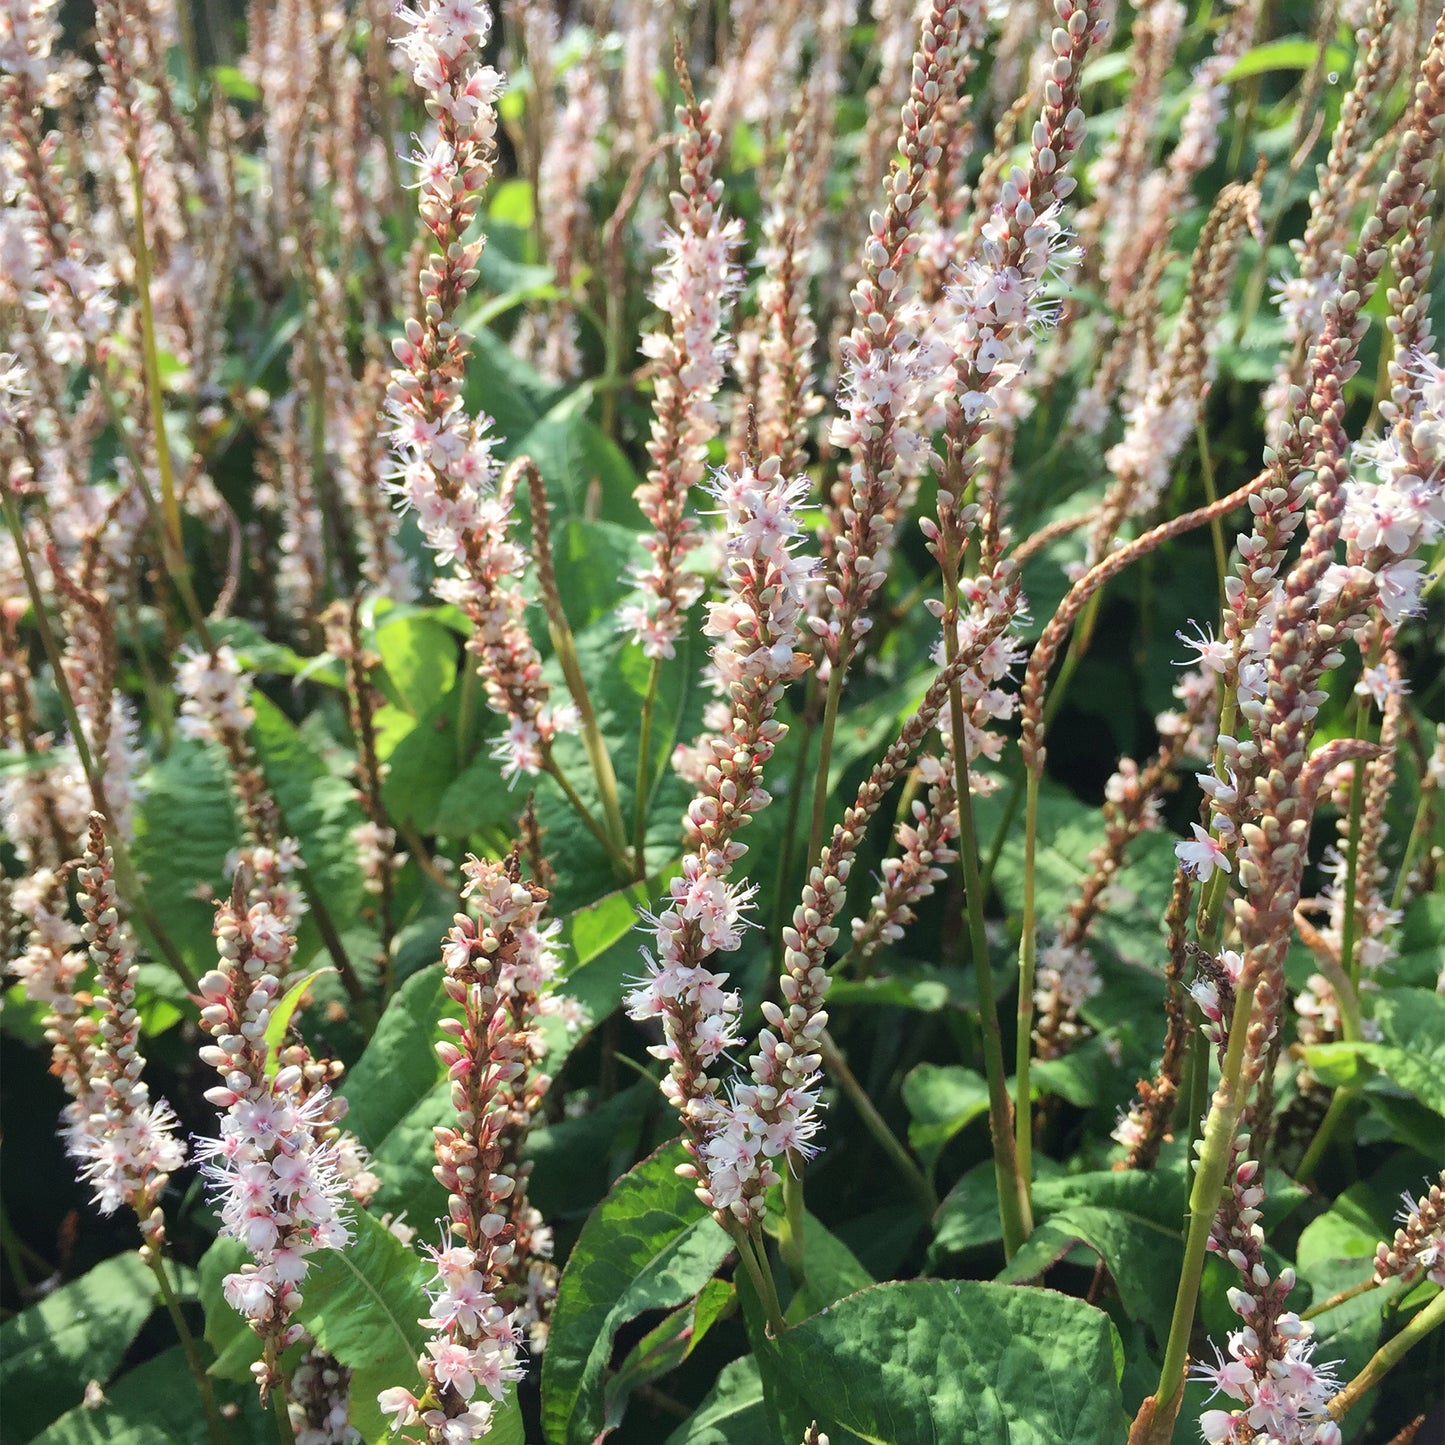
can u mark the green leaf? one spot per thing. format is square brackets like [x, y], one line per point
[281, 1017]
[156, 1404]
[1411, 1051]
[942, 1100]
[185, 827]
[1284, 55]
[399, 1067]
[664, 1348]
[420, 657]
[234, 1343]
[731, 1413]
[574, 456]
[317, 807]
[50, 1351]
[830, 1269]
[925, 1361]
[648, 1245]
[362, 1304]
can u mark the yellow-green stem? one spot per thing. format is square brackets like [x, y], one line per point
[1014, 1211]
[284, 1432]
[1412, 845]
[1388, 1356]
[1028, 957]
[825, 761]
[1211, 493]
[755, 1262]
[790, 1234]
[644, 769]
[215, 1427]
[1343, 1297]
[150, 359]
[619, 859]
[1204, 1197]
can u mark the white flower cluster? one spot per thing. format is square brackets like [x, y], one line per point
[274, 1170]
[1286, 1407]
[215, 694]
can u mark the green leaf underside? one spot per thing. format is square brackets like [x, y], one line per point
[932, 1361]
[649, 1245]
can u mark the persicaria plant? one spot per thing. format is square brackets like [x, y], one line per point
[722, 723]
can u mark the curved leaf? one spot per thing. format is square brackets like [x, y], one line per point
[649, 1245]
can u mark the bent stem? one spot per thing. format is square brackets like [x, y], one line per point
[215, 1427]
[1388, 1356]
[126, 876]
[565, 647]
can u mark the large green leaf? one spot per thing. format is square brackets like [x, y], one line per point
[363, 1304]
[925, 1361]
[399, 1067]
[80, 1332]
[156, 1404]
[574, 457]
[648, 1245]
[317, 807]
[185, 827]
[420, 657]
[1411, 1050]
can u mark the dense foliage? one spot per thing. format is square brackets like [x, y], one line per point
[723, 723]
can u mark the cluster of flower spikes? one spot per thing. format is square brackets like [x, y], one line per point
[695, 284]
[501, 970]
[758, 627]
[126, 1143]
[275, 1170]
[1280, 1395]
[445, 468]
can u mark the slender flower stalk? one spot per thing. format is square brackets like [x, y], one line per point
[499, 970]
[275, 1171]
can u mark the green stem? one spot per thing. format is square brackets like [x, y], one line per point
[825, 761]
[284, 1433]
[1418, 830]
[620, 861]
[150, 359]
[912, 1176]
[1388, 1356]
[1204, 1198]
[1339, 1106]
[1343, 1297]
[1082, 636]
[1028, 957]
[1005, 824]
[1211, 493]
[644, 769]
[790, 1234]
[1015, 1213]
[761, 1276]
[215, 1427]
[806, 729]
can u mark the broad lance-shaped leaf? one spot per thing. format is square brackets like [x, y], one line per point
[732, 1412]
[648, 1246]
[926, 1361]
[52, 1350]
